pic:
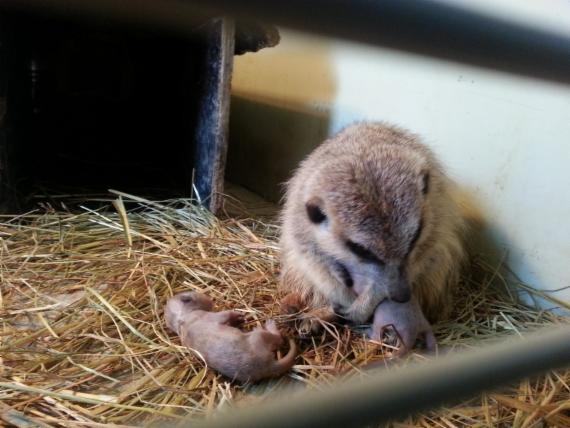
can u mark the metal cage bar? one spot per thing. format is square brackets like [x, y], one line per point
[425, 27]
[391, 394]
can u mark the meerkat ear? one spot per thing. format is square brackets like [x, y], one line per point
[314, 210]
[425, 182]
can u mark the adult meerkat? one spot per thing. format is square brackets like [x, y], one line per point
[372, 209]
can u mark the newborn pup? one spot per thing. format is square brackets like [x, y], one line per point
[407, 319]
[236, 354]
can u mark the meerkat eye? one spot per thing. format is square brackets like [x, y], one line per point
[363, 253]
[425, 183]
[316, 215]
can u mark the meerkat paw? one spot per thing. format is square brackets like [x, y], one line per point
[356, 316]
[309, 326]
[292, 303]
[312, 323]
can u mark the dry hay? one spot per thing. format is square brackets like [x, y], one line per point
[82, 342]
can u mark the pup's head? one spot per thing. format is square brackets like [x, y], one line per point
[182, 304]
[367, 214]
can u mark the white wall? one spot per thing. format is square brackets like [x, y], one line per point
[505, 139]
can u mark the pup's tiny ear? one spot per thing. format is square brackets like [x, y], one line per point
[425, 182]
[315, 211]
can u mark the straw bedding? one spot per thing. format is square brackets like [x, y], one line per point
[82, 339]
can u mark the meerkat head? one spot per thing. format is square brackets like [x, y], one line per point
[182, 304]
[366, 215]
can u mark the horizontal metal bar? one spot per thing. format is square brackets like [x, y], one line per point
[393, 394]
[170, 16]
[421, 26]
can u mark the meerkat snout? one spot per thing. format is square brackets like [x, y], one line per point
[356, 238]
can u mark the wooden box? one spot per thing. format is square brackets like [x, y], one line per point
[91, 104]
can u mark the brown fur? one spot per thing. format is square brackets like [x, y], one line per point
[234, 353]
[408, 321]
[376, 184]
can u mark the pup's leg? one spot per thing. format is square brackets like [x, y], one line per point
[271, 327]
[232, 318]
[407, 339]
[277, 339]
[377, 333]
[271, 339]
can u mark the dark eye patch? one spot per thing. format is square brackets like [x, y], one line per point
[345, 275]
[363, 253]
[425, 183]
[316, 215]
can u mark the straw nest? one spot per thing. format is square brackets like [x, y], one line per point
[83, 343]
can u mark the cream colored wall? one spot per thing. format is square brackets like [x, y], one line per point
[505, 139]
[280, 111]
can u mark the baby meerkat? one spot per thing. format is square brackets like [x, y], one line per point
[236, 354]
[371, 207]
[407, 319]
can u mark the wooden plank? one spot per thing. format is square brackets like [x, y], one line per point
[211, 130]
